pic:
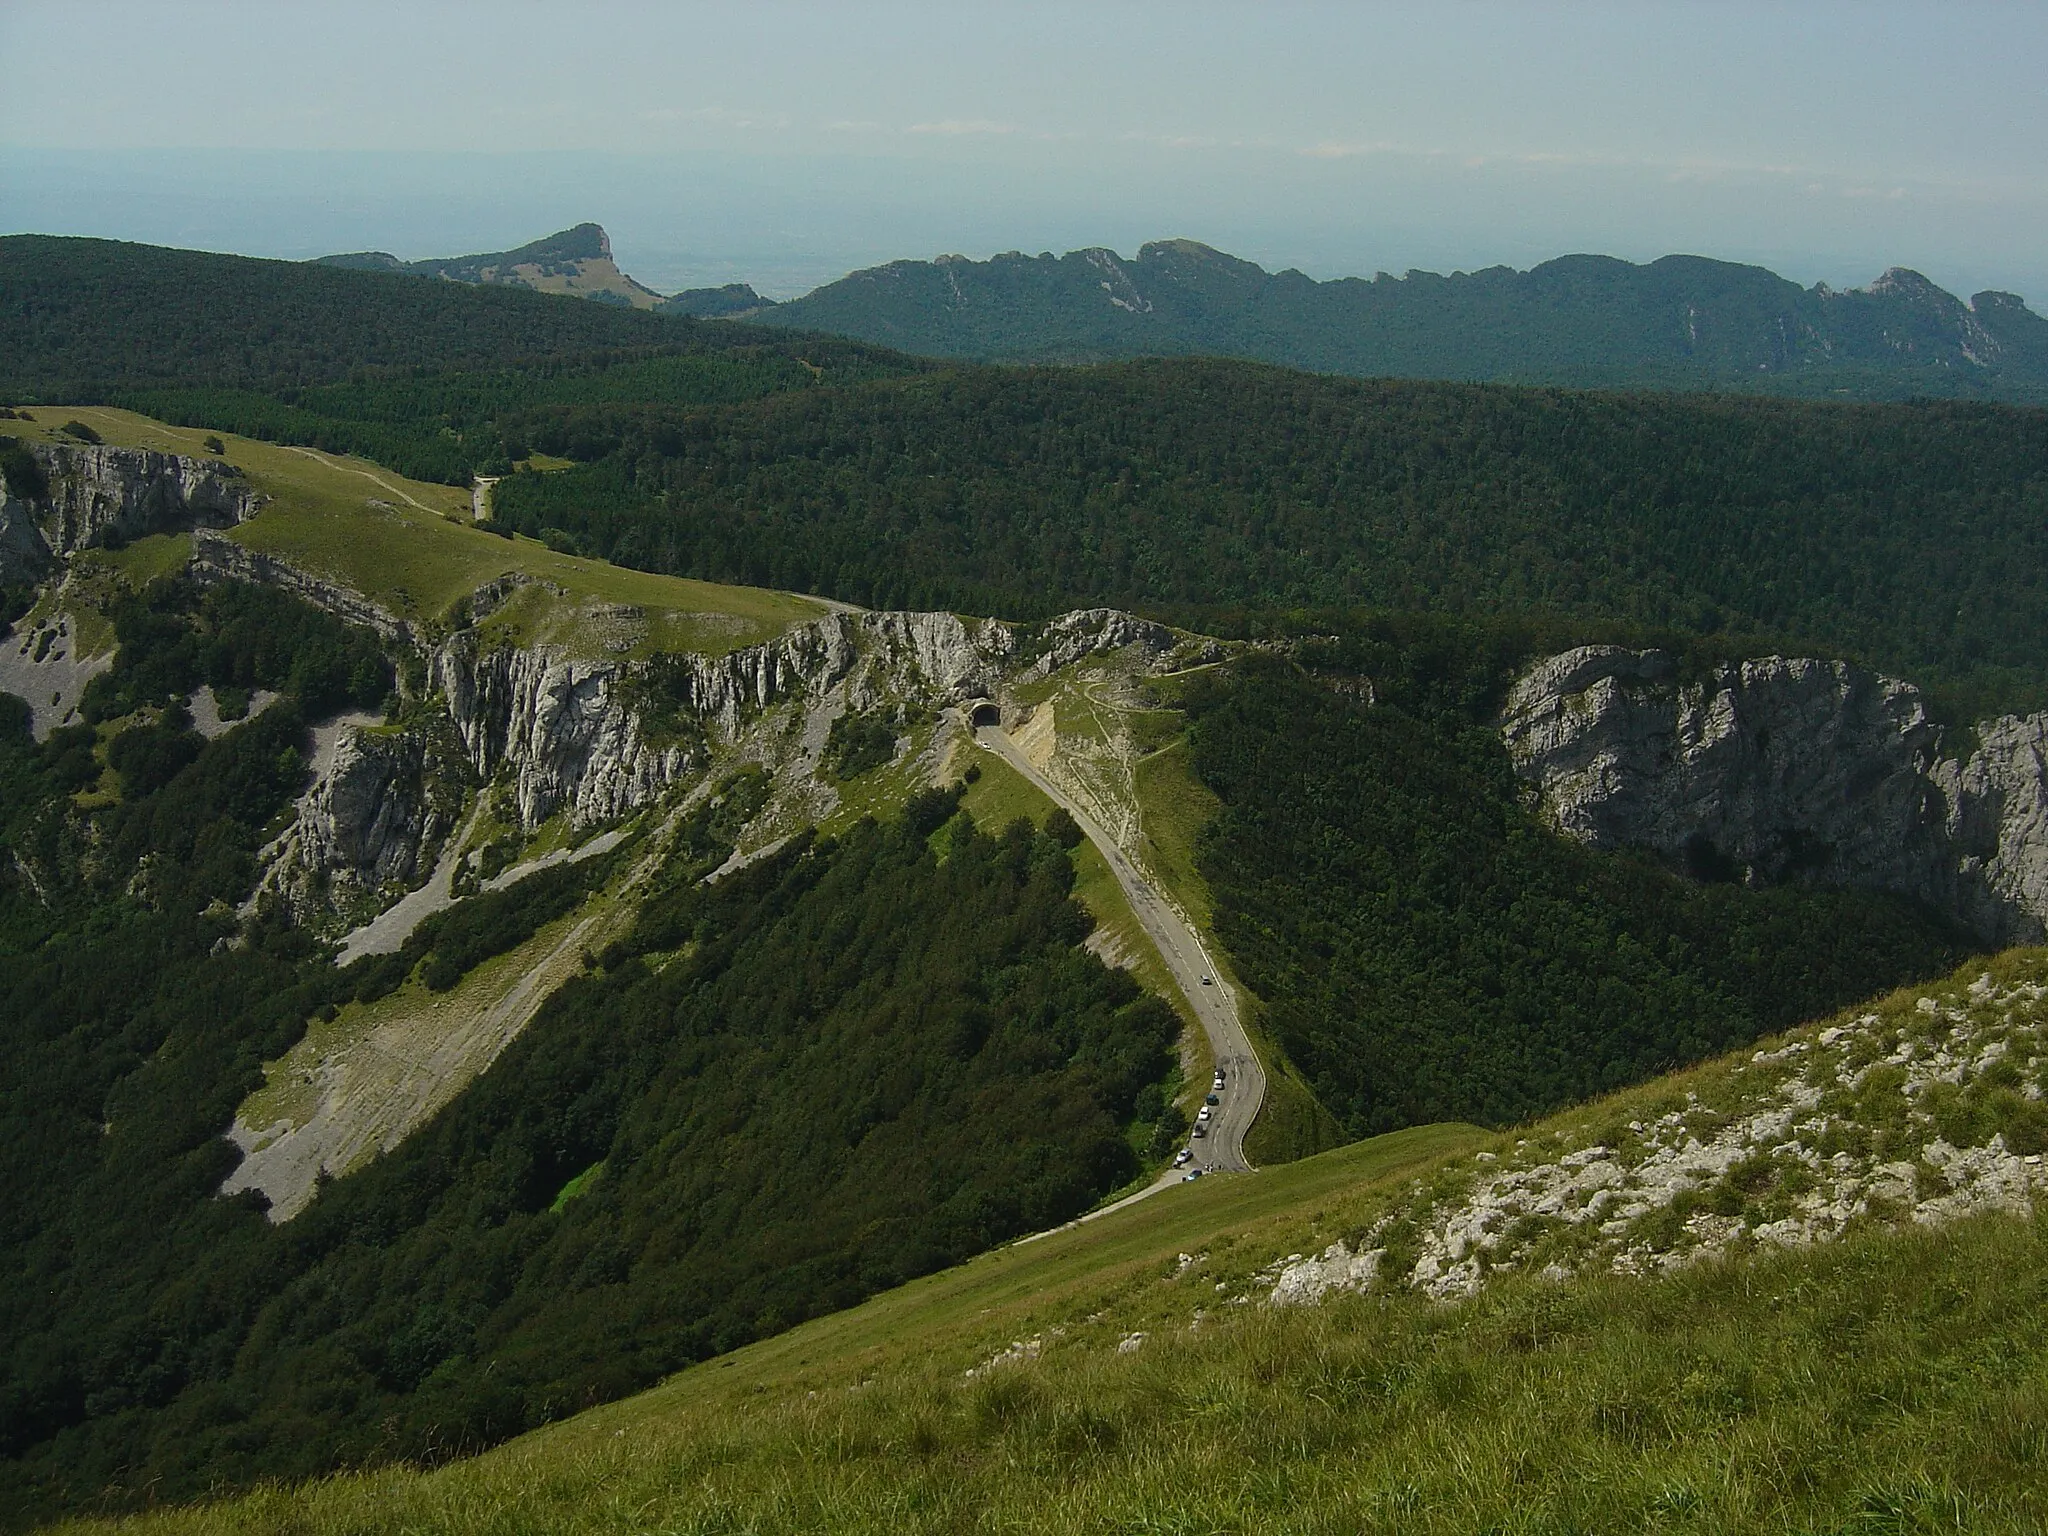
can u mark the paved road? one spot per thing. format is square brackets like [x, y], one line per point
[1214, 1004]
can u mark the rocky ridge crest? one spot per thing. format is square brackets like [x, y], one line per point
[598, 739]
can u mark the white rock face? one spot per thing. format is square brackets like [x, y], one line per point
[572, 734]
[1786, 769]
[380, 806]
[122, 492]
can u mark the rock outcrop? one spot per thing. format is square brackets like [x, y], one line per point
[1840, 1126]
[101, 493]
[575, 733]
[381, 805]
[1782, 769]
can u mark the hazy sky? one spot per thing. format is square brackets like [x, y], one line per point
[788, 143]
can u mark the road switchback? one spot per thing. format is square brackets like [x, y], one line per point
[1212, 999]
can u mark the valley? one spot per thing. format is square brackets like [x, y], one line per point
[492, 981]
[1212, 1353]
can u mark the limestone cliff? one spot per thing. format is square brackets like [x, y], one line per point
[1781, 769]
[599, 738]
[98, 493]
[381, 804]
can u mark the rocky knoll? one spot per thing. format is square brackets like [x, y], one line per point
[97, 493]
[1781, 769]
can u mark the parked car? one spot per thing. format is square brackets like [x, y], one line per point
[1191, 1175]
[1182, 1156]
[1204, 1115]
[1213, 1099]
[1200, 1130]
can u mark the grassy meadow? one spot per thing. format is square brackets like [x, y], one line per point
[412, 547]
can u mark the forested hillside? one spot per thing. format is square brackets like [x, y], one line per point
[1426, 950]
[81, 320]
[852, 1063]
[1916, 535]
[1683, 322]
[1910, 534]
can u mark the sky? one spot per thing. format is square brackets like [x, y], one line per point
[787, 143]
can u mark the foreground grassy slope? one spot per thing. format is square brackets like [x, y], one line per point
[1108, 1378]
[411, 547]
[1716, 1402]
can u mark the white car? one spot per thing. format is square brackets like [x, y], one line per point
[1204, 1114]
[1184, 1155]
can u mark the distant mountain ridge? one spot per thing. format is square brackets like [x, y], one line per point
[1678, 322]
[574, 261]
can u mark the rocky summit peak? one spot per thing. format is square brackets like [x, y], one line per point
[1903, 282]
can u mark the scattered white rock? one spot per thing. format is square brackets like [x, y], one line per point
[1662, 1197]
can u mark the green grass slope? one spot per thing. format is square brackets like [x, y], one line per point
[413, 548]
[1890, 1373]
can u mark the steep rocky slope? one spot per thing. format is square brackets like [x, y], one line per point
[1786, 769]
[598, 740]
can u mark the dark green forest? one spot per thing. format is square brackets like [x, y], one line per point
[84, 320]
[1915, 536]
[1427, 951]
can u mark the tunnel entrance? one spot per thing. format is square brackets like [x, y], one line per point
[984, 712]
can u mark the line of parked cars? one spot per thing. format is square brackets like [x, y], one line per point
[1214, 1102]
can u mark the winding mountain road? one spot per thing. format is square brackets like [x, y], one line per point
[1209, 995]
